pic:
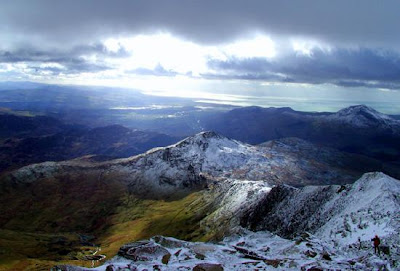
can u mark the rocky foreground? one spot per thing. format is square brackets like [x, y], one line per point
[247, 251]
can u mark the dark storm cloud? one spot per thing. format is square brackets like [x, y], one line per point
[30, 53]
[63, 22]
[69, 32]
[73, 60]
[343, 67]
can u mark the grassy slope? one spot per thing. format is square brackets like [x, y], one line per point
[36, 217]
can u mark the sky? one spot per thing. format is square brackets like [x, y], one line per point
[311, 55]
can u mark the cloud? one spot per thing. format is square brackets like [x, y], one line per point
[246, 40]
[157, 71]
[75, 60]
[62, 23]
[343, 67]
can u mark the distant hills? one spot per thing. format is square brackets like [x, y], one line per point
[356, 129]
[27, 140]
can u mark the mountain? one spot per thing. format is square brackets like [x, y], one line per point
[356, 129]
[342, 213]
[13, 125]
[27, 140]
[362, 116]
[210, 155]
[330, 227]
[201, 188]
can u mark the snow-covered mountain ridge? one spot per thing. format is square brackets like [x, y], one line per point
[363, 116]
[190, 164]
[330, 234]
[340, 213]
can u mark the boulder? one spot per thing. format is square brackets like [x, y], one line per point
[143, 251]
[168, 242]
[385, 250]
[208, 267]
[165, 259]
[310, 253]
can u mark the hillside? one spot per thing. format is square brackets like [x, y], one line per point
[27, 140]
[201, 180]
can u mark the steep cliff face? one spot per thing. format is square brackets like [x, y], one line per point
[341, 213]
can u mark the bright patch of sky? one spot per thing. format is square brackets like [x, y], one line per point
[180, 56]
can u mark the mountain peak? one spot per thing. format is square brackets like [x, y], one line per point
[209, 134]
[377, 180]
[362, 110]
[361, 116]
[201, 138]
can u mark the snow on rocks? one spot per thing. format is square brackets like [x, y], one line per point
[362, 116]
[189, 165]
[252, 251]
[342, 213]
[371, 206]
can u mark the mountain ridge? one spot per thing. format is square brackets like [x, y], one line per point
[340, 240]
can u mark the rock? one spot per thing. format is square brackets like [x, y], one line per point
[327, 257]
[143, 251]
[110, 268]
[94, 257]
[310, 253]
[187, 257]
[176, 254]
[265, 249]
[248, 253]
[385, 250]
[229, 251]
[315, 268]
[208, 267]
[202, 249]
[200, 256]
[132, 267]
[251, 263]
[165, 258]
[275, 263]
[168, 242]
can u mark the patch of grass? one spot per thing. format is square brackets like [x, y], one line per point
[40, 223]
[35, 251]
[140, 219]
